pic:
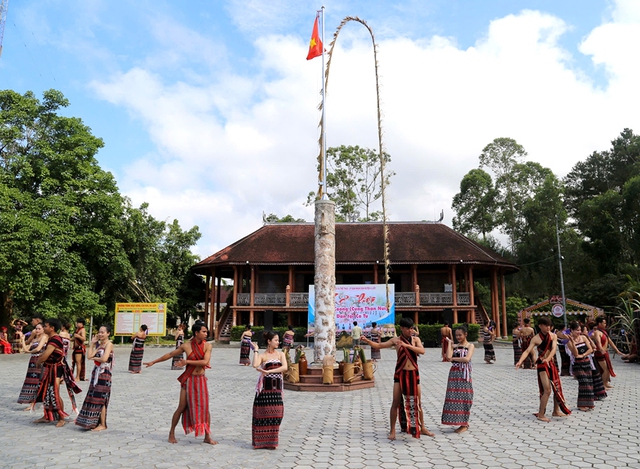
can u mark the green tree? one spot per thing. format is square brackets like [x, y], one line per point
[354, 182]
[502, 156]
[475, 204]
[273, 218]
[59, 212]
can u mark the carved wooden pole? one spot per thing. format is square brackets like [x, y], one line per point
[325, 280]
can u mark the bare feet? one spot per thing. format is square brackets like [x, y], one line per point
[392, 435]
[585, 409]
[172, 438]
[41, 420]
[461, 429]
[543, 419]
[207, 439]
[61, 423]
[29, 409]
[99, 428]
[424, 431]
[558, 414]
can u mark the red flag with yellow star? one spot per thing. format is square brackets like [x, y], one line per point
[315, 44]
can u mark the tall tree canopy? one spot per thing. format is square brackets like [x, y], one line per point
[67, 244]
[354, 182]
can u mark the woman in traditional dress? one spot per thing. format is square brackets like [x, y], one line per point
[287, 339]
[93, 415]
[459, 398]
[268, 407]
[580, 349]
[137, 351]
[5, 346]
[487, 342]
[245, 346]
[517, 344]
[16, 343]
[29, 391]
[66, 337]
[599, 391]
[179, 336]
[375, 337]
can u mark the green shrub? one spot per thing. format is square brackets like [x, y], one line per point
[430, 333]
[236, 333]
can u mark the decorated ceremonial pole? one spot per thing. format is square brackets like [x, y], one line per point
[324, 279]
[325, 230]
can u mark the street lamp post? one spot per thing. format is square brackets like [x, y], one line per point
[564, 301]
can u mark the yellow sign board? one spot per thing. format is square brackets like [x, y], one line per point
[130, 316]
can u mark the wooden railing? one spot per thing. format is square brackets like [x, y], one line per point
[401, 299]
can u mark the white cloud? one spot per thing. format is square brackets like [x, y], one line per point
[230, 147]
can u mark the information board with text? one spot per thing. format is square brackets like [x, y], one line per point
[130, 316]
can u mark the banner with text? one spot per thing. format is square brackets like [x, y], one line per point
[130, 316]
[362, 303]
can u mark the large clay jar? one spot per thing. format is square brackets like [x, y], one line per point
[302, 365]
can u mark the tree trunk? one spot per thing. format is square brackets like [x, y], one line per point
[6, 308]
[325, 280]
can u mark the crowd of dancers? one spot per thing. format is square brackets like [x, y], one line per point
[585, 346]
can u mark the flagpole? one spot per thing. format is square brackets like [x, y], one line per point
[324, 124]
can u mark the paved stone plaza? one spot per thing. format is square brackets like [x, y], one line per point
[322, 430]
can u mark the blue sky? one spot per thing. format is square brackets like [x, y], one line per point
[208, 108]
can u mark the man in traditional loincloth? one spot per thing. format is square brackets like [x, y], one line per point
[548, 378]
[55, 369]
[194, 394]
[406, 380]
[526, 334]
[445, 333]
[603, 341]
[79, 350]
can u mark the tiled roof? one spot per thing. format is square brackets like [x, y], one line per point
[357, 243]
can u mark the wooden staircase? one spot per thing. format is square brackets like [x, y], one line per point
[312, 382]
[224, 328]
[482, 317]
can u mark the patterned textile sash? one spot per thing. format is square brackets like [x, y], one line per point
[552, 373]
[275, 378]
[195, 417]
[604, 342]
[409, 381]
[100, 367]
[287, 341]
[49, 392]
[180, 340]
[405, 355]
[465, 367]
[197, 353]
[78, 344]
[445, 345]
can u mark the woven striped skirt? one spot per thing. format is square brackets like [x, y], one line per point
[517, 351]
[599, 391]
[245, 351]
[268, 410]
[489, 352]
[582, 372]
[31, 384]
[195, 417]
[135, 359]
[97, 397]
[459, 399]
[564, 366]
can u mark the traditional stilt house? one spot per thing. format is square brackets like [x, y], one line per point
[432, 266]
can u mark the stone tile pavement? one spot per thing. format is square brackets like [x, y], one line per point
[327, 430]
